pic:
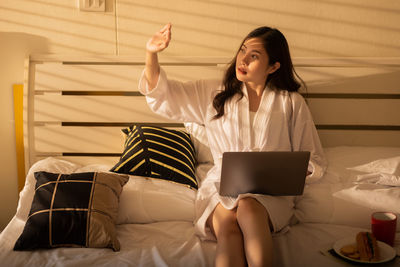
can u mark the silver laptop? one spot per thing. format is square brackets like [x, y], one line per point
[276, 173]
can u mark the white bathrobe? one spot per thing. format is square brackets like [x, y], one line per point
[282, 122]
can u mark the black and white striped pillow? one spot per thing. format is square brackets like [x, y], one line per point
[158, 152]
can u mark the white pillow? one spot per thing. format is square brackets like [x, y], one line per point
[336, 199]
[147, 200]
[388, 165]
[381, 171]
[200, 141]
[342, 158]
[349, 204]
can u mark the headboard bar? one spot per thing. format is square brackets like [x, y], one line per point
[132, 60]
[352, 96]
[307, 95]
[358, 127]
[120, 124]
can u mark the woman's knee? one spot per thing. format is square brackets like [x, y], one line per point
[249, 208]
[225, 222]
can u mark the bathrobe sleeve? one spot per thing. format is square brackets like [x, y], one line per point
[304, 137]
[179, 101]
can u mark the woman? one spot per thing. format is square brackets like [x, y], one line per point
[255, 108]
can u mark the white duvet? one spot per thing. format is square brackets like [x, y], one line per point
[155, 225]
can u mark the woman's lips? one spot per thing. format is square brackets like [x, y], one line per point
[242, 71]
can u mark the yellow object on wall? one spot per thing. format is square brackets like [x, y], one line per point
[19, 133]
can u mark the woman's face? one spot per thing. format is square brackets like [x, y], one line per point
[252, 62]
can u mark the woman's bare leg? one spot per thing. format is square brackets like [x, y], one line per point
[230, 250]
[254, 223]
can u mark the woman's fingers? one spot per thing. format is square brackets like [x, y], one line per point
[166, 31]
[160, 40]
[166, 27]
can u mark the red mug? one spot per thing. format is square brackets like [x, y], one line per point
[383, 226]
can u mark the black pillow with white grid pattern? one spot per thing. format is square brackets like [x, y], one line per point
[70, 210]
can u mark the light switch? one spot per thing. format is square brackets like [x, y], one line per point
[92, 5]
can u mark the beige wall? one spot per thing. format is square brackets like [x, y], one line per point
[314, 28]
[14, 47]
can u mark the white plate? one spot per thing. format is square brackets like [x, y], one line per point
[387, 253]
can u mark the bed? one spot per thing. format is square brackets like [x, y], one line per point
[75, 107]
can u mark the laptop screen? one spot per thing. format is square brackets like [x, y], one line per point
[277, 173]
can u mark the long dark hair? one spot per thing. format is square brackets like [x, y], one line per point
[277, 48]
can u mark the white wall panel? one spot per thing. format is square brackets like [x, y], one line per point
[55, 108]
[79, 139]
[76, 77]
[378, 80]
[60, 77]
[355, 111]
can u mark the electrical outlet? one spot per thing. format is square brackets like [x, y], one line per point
[92, 5]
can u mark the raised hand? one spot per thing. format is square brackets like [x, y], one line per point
[160, 40]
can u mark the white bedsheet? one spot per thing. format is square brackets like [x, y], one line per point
[329, 210]
[174, 244]
[156, 244]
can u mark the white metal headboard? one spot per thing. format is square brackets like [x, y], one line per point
[76, 106]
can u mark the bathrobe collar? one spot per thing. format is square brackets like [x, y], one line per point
[260, 118]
